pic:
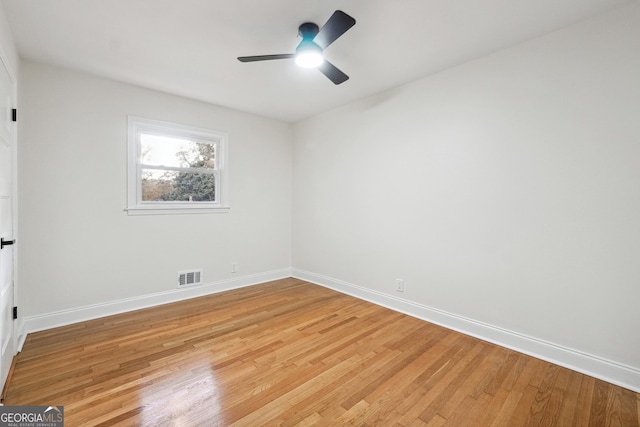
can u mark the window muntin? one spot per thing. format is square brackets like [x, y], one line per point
[175, 168]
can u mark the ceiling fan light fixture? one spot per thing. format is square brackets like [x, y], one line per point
[309, 55]
[314, 41]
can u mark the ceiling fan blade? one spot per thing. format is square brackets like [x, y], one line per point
[333, 73]
[265, 57]
[336, 26]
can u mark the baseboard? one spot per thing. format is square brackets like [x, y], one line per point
[66, 317]
[596, 367]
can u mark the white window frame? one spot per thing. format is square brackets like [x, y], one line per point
[135, 205]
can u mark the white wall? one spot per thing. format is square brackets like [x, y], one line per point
[79, 248]
[504, 191]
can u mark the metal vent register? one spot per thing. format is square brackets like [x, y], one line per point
[188, 278]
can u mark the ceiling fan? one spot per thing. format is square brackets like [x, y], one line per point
[314, 42]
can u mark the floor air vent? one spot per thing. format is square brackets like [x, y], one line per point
[189, 278]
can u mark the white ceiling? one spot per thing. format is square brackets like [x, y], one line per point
[189, 47]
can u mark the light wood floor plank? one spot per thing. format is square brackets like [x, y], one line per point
[292, 353]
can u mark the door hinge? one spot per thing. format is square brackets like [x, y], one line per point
[14, 115]
[15, 313]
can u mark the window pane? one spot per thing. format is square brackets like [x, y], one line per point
[167, 151]
[178, 186]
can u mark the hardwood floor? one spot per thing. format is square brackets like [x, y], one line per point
[292, 353]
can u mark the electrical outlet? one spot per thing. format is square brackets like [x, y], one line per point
[399, 285]
[234, 267]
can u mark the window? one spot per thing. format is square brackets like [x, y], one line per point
[175, 168]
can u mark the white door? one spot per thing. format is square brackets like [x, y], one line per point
[7, 145]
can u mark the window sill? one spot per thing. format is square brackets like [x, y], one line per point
[176, 210]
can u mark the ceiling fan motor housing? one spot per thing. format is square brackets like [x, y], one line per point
[308, 30]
